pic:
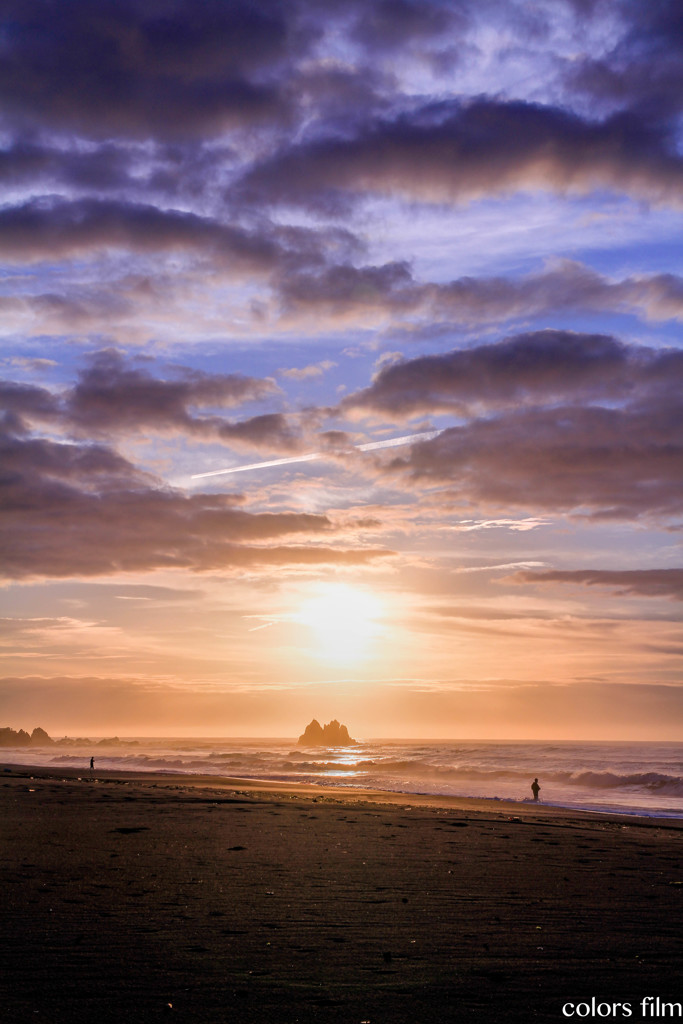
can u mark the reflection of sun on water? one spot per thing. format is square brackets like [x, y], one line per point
[343, 621]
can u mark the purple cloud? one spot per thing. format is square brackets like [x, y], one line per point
[541, 367]
[454, 150]
[49, 228]
[629, 582]
[112, 396]
[127, 69]
[345, 290]
[597, 462]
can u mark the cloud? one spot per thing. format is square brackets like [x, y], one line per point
[568, 285]
[345, 291]
[268, 432]
[179, 71]
[26, 400]
[539, 367]
[341, 289]
[175, 70]
[516, 525]
[643, 69]
[52, 227]
[341, 293]
[553, 421]
[395, 24]
[625, 583]
[455, 150]
[312, 370]
[601, 463]
[83, 510]
[113, 396]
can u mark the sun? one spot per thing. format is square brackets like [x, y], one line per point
[343, 621]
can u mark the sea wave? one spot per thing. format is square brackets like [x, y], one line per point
[633, 777]
[267, 763]
[653, 782]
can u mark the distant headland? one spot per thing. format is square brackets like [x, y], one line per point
[39, 738]
[331, 735]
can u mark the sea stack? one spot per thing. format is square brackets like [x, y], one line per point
[331, 735]
[12, 738]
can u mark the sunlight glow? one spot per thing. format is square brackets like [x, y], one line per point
[343, 621]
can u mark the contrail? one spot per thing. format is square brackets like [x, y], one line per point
[371, 446]
[395, 442]
[259, 465]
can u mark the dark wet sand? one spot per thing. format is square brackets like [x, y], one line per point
[132, 899]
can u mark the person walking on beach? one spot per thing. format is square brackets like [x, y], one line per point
[92, 764]
[535, 789]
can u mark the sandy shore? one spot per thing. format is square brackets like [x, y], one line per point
[134, 898]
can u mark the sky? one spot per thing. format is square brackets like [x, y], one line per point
[341, 367]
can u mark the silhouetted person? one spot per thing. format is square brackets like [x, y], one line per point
[92, 764]
[535, 789]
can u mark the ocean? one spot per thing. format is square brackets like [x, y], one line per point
[644, 778]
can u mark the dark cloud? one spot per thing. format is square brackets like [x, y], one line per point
[126, 68]
[157, 172]
[81, 307]
[457, 150]
[631, 583]
[114, 396]
[275, 432]
[111, 395]
[342, 290]
[51, 464]
[168, 99]
[394, 24]
[173, 70]
[20, 400]
[51, 228]
[596, 462]
[566, 286]
[24, 161]
[540, 367]
[83, 510]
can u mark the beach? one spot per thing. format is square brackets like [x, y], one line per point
[134, 898]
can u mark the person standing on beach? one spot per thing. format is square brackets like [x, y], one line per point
[92, 764]
[535, 789]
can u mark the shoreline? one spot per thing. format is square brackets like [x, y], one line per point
[598, 778]
[344, 794]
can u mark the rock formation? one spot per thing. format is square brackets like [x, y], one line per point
[12, 738]
[39, 738]
[331, 735]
